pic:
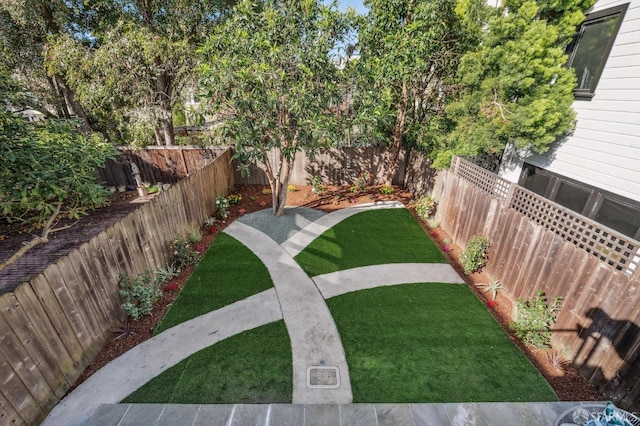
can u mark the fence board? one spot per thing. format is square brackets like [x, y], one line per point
[60, 321]
[21, 362]
[8, 414]
[18, 394]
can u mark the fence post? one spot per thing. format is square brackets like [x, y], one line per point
[454, 165]
[509, 197]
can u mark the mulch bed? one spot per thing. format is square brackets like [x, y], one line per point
[565, 380]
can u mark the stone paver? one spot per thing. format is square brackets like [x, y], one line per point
[315, 340]
[366, 277]
[457, 414]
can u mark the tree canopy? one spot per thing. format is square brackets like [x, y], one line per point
[515, 86]
[269, 75]
[48, 170]
[408, 49]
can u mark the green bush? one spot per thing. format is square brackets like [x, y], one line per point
[534, 318]
[184, 254]
[223, 207]
[425, 207]
[234, 198]
[139, 294]
[474, 256]
[386, 190]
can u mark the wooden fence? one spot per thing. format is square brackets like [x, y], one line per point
[54, 325]
[598, 327]
[166, 164]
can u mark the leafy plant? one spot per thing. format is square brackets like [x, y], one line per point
[223, 207]
[139, 294]
[210, 221]
[386, 190]
[165, 274]
[475, 255]
[266, 191]
[194, 235]
[433, 223]
[234, 198]
[291, 188]
[492, 287]
[316, 185]
[534, 318]
[425, 207]
[184, 253]
[360, 185]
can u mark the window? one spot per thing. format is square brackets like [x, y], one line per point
[590, 49]
[611, 210]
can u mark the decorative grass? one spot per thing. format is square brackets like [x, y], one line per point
[431, 343]
[228, 272]
[372, 237]
[253, 367]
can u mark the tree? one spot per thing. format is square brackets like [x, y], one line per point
[48, 171]
[268, 73]
[515, 87]
[141, 60]
[407, 49]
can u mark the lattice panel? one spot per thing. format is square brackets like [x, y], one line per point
[484, 180]
[609, 246]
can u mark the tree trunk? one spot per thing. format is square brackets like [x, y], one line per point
[398, 131]
[164, 91]
[78, 110]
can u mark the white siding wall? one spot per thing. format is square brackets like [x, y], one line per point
[604, 149]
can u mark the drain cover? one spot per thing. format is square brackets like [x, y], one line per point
[323, 376]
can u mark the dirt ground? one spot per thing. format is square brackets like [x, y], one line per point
[565, 380]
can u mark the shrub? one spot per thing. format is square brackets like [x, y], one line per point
[266, 191]
[425, 207]
[534, 318]
[360, 185]
[139, 294]
[234, 198]
[474, 256]
[291, 188]
[223, 207]
[184, 253]
[386, 190]
[316, 185]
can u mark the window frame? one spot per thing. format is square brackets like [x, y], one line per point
[593, 204]
[588, 94]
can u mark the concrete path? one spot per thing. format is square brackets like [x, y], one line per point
[315, 341]
[296, 298]
[366, 277]
[128, 372]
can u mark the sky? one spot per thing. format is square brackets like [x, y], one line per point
[344, 4]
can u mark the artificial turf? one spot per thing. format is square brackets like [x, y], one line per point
[369, 238]
[253, 367]
[228, 272]
[431, 343]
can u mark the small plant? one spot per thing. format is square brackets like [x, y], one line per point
[534, 318]
[266, 191]
[425, 207]
[447, 241]
[386, 190]
[184, 253]
[139, 294]
[474, 256]
[252, 198]
[123, 329]
[223, 207]
[360, 185]
[165, 274]
[492, 287]
[263, 204]
[291, 188]
[316, 185]
[210, 221]
[234, 198]
[433, 223]
[194, 235]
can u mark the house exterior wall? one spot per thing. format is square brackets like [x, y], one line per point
[604, 149]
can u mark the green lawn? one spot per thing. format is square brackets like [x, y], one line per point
[431, 343]
[369, 238]
[228, 272]
[253, 367]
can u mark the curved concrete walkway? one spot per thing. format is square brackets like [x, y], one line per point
[315, 341]
[287, 300]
